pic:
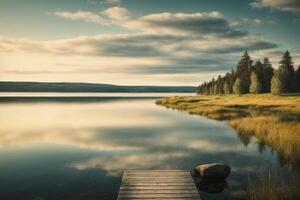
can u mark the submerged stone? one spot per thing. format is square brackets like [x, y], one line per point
[213, 171]
[212, 186]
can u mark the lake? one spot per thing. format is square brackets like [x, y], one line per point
[69, 146]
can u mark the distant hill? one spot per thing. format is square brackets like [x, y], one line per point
[8, 86]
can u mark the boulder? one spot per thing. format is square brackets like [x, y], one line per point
[213, 171]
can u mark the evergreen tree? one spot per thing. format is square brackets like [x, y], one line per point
[262, 79]
[221, 87]
[211, 90]
[243, 72]
[231, 80]
[297, 80]
[286, 71]
[227, 81]
[215, 89]
[226, 88]
[255, 86]
[259, 70]
[276, 84]
[237, 87]
[212, 87]
[267, 75]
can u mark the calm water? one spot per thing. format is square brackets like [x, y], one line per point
[58, 148]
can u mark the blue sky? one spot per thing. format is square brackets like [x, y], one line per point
[141, 42]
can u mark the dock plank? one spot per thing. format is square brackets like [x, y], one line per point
[157, 184]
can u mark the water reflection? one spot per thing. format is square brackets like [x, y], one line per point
[244, 138]
[85, 146]
[211, 186]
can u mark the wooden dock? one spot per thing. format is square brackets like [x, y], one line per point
[158, 184]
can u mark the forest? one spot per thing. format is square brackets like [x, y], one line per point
[256, 78]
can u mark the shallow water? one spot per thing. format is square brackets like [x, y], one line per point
[77, 147]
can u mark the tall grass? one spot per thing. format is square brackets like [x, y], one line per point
[284, 137]
[267, 187]
[274, 120]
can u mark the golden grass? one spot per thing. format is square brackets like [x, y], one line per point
[274, 120]
[266, 188]
[283, 136]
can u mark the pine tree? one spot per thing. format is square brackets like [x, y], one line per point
[231, 80]
[211, 90]
[255, 86]
[237, 87]
[227, 78]
[262, 79]
[259, 69]
[286, 71]
[276, 84]
[206, 88]
[226, 88]
[219, 85]
[243, 72]
[215, 89]
[267, 75]
[297, 80]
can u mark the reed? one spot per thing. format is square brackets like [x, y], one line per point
[267, 187]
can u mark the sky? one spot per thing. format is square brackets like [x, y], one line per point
[141, 42]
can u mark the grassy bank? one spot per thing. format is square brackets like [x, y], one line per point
[274, 120]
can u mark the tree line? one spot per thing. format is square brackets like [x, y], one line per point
[256, 78]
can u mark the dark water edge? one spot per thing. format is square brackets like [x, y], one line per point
[65, 87]
[61, 99]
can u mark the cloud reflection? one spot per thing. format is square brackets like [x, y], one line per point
[116, 164]
[125, 134]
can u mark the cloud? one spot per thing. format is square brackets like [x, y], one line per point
[113, 1]
[167, 47]
[168, 35]
[200, 24]
[137, 45]
[83, 16]
[246, 43]
[110, 2]
[118, 14]
[99, 45]
[114, 15]
[246, 22]
[283, 5]
[195, 23]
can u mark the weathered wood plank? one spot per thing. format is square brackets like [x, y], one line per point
[155, 170]
[151, 187]
[158, 191]
[157, 184]
[156, 175]
[157, 181]
[135, 196]
[165, 198]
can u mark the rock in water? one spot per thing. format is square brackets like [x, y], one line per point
[214, 171]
